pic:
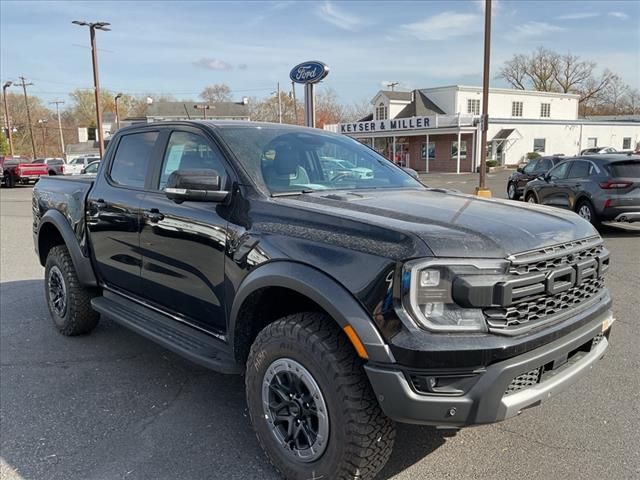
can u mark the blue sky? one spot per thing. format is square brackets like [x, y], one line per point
[179, 47]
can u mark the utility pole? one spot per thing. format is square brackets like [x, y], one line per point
[23, 83]
[96, 79]
[392, 85]
[58, 103]
[295, 104]
[115, 99]
[279, 104]
[7, 117]
[482, 189]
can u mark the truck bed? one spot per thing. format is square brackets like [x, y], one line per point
[65, 194]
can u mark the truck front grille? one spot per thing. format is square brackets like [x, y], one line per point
[543, 306]
[540, 281]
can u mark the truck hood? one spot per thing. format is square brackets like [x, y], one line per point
[453, 224]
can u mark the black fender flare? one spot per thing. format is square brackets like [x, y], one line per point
[82, 264]
[335, 299]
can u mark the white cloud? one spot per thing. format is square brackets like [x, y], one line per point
[212, 64]
[535, 29]
[620, 15]
[577, 16]
[444, 25]
[338, 17]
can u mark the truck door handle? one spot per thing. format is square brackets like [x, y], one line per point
[153, 215]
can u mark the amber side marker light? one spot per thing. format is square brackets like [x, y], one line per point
[356, 342]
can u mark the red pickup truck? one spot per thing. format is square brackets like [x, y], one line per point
[18, 170]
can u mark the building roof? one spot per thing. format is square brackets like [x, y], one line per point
[393, 95]
[515, 91]
[616, 118]
[422, 106]
[184, 109]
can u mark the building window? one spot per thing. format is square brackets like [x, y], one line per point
[539, 144]
[592, 142]
[626, 143]
[545, 110]
[473, 106]
[516, 109]
[382, 112]
[432, 150]
[463, 149]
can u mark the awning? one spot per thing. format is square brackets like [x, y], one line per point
[503, 134]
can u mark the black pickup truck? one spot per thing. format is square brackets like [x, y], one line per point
[349, 299]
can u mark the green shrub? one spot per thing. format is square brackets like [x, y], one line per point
[532, 155]
[492, 163]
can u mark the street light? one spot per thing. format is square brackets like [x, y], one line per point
[204, 109]
[116, 98]
[6, 116]
[93, 26]
[43, 124]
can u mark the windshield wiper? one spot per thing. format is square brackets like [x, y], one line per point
[293, 192]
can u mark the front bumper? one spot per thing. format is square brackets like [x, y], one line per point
[562, 362]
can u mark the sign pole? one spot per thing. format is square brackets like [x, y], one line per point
[309, 105]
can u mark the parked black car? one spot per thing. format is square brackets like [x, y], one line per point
[349, 302]
[597, 187]
[533, 169]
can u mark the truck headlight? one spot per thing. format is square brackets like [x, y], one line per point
[428, 295]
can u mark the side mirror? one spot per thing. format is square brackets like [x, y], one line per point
[520, 169]
[411, 172]
[83, 171]
[543, 177]
[195, 185]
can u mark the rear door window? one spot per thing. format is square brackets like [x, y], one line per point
[625, 169]
[579, 169]
[560, 172]
[131, 161]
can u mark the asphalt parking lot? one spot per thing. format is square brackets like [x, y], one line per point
[113, 405]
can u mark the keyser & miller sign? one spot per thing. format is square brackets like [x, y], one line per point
[411, 123]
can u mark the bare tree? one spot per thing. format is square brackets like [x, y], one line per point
[547, 71]
[357, 110]
[570, 72]
[541, 68]
[216, 93]
[267, 110]
[514, 71]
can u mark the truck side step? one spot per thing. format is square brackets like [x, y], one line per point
[180, 338]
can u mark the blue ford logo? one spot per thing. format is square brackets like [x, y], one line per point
[309, 72]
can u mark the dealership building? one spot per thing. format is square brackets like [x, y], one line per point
[438, 129]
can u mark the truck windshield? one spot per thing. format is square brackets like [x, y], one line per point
[283, 159]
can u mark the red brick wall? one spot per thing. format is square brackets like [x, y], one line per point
[443, 162]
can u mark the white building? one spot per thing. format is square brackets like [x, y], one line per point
[438, 129]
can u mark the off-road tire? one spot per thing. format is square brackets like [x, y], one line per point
[78, 317]
[361, 437]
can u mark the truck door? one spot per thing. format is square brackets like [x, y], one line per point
[113, 211]
[183, 244]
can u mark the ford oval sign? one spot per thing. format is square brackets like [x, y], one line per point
[309, 72]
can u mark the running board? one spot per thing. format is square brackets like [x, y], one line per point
[180, 338]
